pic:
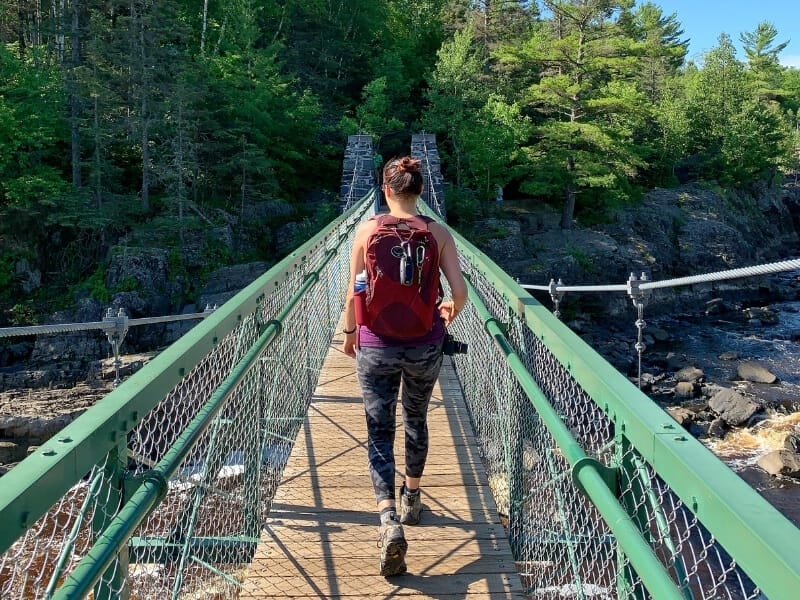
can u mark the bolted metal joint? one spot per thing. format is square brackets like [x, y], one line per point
[116, 328]
[556, 296]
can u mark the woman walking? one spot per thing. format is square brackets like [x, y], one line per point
[399, 339]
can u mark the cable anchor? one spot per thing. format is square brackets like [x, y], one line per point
[556, 296]
[116, 328]
[639, 298]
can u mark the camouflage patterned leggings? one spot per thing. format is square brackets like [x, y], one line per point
[380, 371]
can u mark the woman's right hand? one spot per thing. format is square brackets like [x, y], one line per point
[350, 344]
[448, 312]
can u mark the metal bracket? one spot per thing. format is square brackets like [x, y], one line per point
[639, 297]
[116, 328]
[609, 475]
[556, 296]
[502, 325]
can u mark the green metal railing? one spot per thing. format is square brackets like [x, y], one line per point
[162, 489]
[606, 495]
[178, 466]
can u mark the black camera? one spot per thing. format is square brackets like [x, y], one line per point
[452, 346]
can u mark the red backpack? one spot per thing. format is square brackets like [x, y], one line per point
[403, 288]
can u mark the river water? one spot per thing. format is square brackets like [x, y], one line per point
[772, 346]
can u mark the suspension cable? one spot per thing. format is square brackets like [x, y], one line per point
[115, 326]
[766, 269]
[351, 195]
[639, 290]
[105, 324]
[437, 206]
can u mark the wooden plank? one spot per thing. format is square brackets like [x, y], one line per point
[336, 479]
[320, 536]
[410, 585]
[359, 525]
[316, 497]
[423, 544]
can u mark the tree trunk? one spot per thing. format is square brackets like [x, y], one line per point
[37, 33]
[74, 101]
[569, 197]
[98, 175]
[60, 37]
[144, 117]
[204, 29]
[21, 28]
[145, 156]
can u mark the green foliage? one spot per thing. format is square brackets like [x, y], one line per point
[22, 314]
[762, 57]
[733, 134]
[374, 115]
[95, 287]
[8, 289]
[321, 215]
[216, 254]
[463, 207]
[581, 259]
[588, 112]
[126, 284]
[177, 117]
[31, 129]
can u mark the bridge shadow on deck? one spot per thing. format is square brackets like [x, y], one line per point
[320, 540]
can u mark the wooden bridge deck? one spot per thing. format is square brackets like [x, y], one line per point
[321, 537]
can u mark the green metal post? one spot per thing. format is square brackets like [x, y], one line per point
[69, 546]
[252, 457]
[627, 577]
[513, 457]
[564, 517]
[587, 472]
[183, 531]
[113, 584]
[662, 525]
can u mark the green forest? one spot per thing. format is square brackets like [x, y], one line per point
[158, 122]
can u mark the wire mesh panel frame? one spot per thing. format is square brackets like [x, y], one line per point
[674, 492]
[681, 500]
[211, 451]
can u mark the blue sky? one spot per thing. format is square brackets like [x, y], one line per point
[704, 20]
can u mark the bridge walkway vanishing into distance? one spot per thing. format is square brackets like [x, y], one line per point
[229, 467]
[322, 525]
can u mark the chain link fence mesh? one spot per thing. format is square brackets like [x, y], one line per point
[200, 537]
[562, 546]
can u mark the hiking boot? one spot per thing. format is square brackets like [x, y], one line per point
[393, 547]
[410, 507]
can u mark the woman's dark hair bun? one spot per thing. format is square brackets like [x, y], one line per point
[409, 165]
[403, 175]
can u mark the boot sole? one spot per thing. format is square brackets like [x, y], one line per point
[395, 563]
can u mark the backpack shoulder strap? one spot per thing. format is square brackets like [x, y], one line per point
[419, 222]
[385, 219]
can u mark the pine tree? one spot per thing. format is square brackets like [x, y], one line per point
[662, 51]
[585, 103]
[455, 96]
[762, 58]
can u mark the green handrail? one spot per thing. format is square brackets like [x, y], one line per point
[122, 527]
[585, 470]
[33, 486]
[762, 541]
